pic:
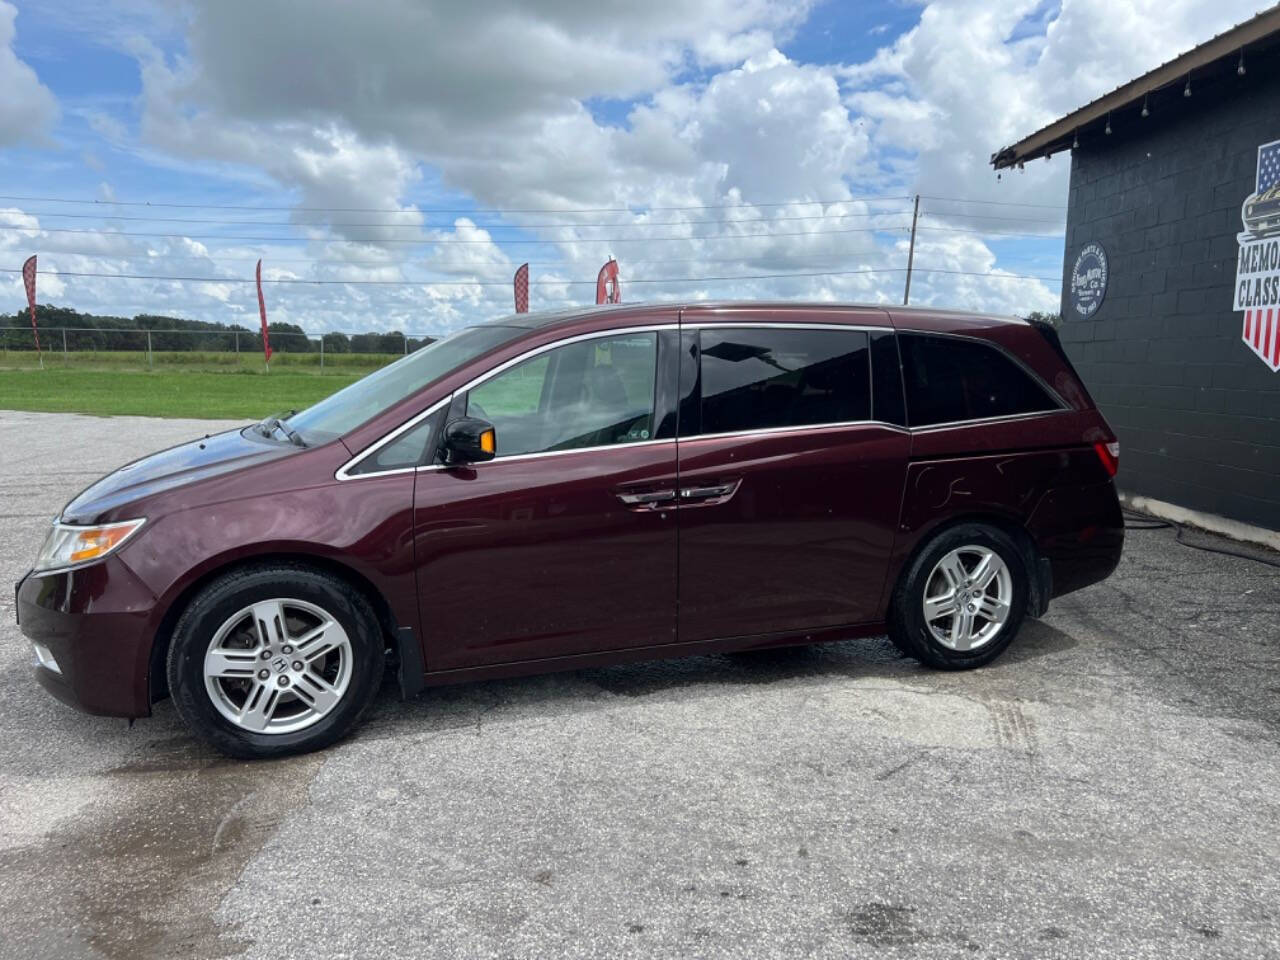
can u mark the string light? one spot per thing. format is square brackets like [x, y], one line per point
[1075, 139]
[1186, 91]
[1145, 111]
[1240, 66]
[1108, 130]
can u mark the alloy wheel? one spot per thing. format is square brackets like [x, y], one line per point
[278, 666]
[967, 598]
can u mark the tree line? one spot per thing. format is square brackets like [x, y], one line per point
[179, 334]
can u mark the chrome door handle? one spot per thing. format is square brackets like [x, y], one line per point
[707, 493]
[648, 498]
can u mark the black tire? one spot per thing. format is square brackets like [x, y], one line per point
[221, 600]
[907, 627]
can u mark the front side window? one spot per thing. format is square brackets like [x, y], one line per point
[949, 379]
[590, 393]
[351, 406]
[757, 378]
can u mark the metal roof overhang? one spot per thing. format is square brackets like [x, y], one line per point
[1256, 35]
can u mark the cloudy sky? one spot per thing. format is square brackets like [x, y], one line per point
[410, 154]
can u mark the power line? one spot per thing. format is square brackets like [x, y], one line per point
[869, 198]
[401, 210]
[988, 233]
[550, 283]
[374, 240]
[483, 226]
[433, 264]
[996, 203]
[561, 263]
[994, 216]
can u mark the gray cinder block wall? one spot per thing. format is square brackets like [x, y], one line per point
[1197, 413]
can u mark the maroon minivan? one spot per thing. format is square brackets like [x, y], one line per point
[561, 490]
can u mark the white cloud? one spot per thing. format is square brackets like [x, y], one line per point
[28, 110]
[958, 74]
[331, 104]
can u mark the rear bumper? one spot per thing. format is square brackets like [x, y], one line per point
[95, 624]
[1079, 530]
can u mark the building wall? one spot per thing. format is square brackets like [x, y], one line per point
[1197, 413]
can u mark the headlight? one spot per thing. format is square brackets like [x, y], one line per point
[70, 546]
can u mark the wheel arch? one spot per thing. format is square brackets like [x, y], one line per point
[1041, 585]
[156, 677]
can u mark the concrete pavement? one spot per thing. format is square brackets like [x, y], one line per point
[1107, 788]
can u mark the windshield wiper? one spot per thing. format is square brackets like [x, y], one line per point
[269, 426]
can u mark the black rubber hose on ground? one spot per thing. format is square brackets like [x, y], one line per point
[1140, 521]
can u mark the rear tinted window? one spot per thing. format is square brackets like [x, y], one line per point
[949, 379]
[753, 379]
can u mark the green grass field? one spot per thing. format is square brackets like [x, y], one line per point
[197, 360]
[186, 384]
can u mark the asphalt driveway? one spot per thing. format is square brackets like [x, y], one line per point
[1108, 788]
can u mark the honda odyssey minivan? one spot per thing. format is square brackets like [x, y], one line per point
[560, 490]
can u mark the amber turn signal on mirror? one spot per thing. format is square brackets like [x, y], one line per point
[470, 440]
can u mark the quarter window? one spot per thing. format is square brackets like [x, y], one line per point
[585, 394]
[756, 378]
[404, 452]
[949, 380]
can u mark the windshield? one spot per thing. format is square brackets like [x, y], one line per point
[353, 405]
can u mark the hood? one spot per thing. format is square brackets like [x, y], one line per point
[176, 467]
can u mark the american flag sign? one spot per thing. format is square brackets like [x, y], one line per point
[1268, 166]
[1258, 269]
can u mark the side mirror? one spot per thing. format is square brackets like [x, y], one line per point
[470, 440]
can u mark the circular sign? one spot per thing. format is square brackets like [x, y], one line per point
[1089, 280]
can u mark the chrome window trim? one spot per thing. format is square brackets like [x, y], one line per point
[979, 421]
[769, 431]
[344, 472]
[536, 351]
[774, 325]
[429, 467]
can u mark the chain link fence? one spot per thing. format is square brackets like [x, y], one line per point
[201, 349]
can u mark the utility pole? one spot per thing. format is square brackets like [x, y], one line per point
[911, 251]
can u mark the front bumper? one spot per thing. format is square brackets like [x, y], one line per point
[97, 625]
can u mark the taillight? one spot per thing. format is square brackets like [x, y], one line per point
[1109, 454]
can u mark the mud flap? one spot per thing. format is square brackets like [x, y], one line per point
[412, 670]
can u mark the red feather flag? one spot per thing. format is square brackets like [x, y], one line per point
[29, 281]
[522, 289]
[262, 312]
[608, 288]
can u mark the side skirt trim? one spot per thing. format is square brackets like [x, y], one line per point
[666, 651]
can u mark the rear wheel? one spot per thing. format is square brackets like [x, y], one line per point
[962, 599]
[275, 660]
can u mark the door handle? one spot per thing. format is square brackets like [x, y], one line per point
[707, 493]
[648, 498]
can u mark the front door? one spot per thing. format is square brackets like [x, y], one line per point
[789, 491]
[565, 543]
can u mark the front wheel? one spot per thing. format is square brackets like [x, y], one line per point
[275, 660]
[960, 602]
